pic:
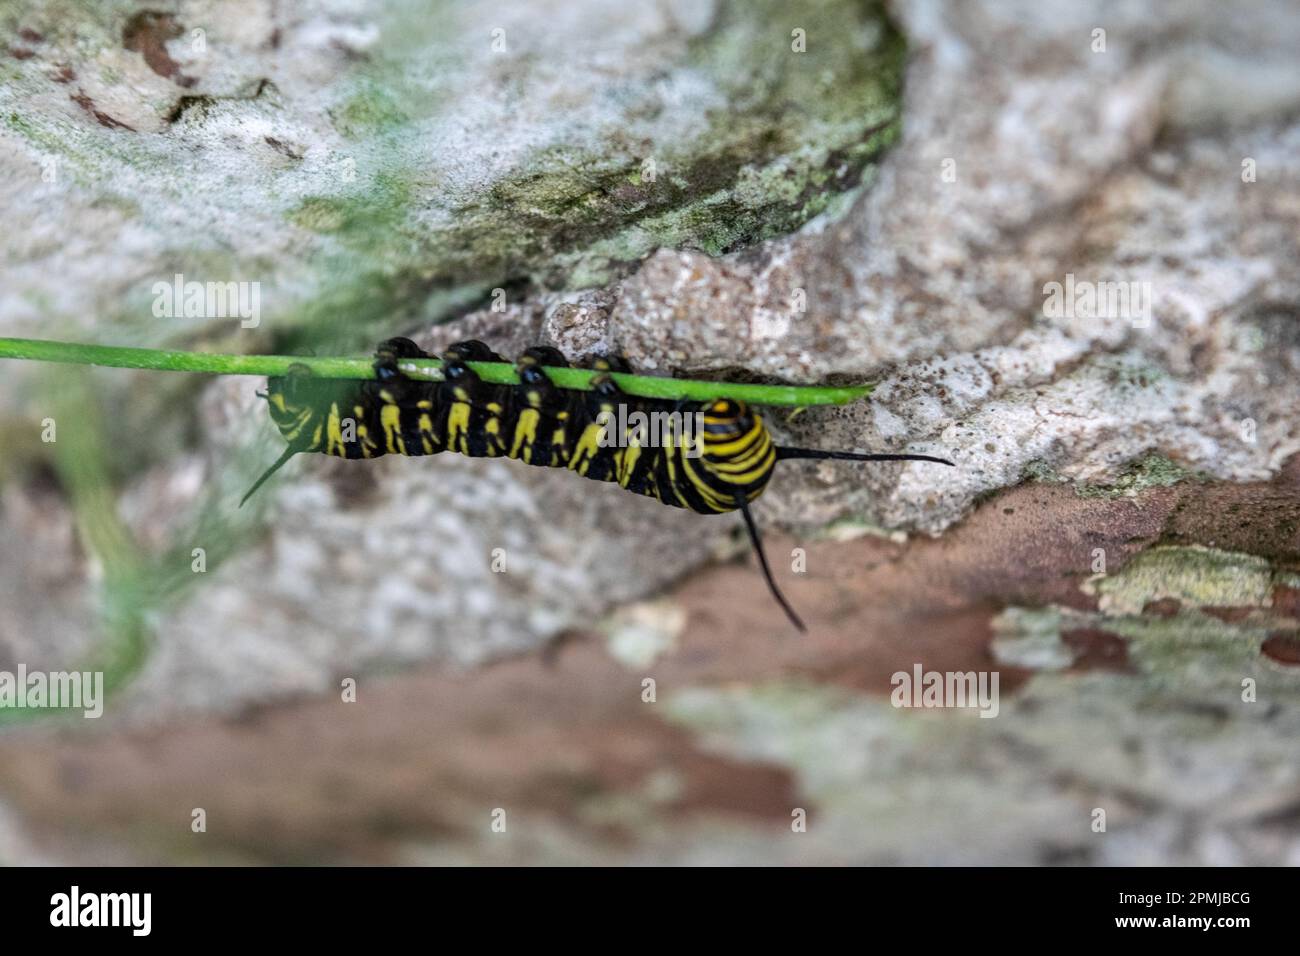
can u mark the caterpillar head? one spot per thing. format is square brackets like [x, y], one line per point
[739, 457]
[736, 448]
[727, 418]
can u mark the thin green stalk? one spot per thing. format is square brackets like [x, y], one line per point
[500, 372]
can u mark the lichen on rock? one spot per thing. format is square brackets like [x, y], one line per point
[740, 190]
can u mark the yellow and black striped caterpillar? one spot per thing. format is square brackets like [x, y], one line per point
[709, 457]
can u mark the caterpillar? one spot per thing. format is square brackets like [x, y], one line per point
[710, 457]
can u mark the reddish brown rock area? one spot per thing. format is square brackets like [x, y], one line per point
[564, 742]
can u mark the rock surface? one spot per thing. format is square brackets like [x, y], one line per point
[675, 182]
[1123, 693]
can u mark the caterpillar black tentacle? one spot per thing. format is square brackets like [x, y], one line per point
[784, 454]
[756, 540]
[708, 457]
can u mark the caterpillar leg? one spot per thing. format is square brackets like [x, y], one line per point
[391, 386]
[636, 466]
[535, 387]
[544, 355]
[390, 351]
[648, 437]
[543, 413]
[612, 363]
[605, 394]
[391, 393]
[604, 390]
[471, 350]
[621, 447]
[475, 410]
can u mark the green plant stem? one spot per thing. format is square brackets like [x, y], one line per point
[424, 369]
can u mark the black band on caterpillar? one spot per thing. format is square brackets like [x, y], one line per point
[709, 457]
